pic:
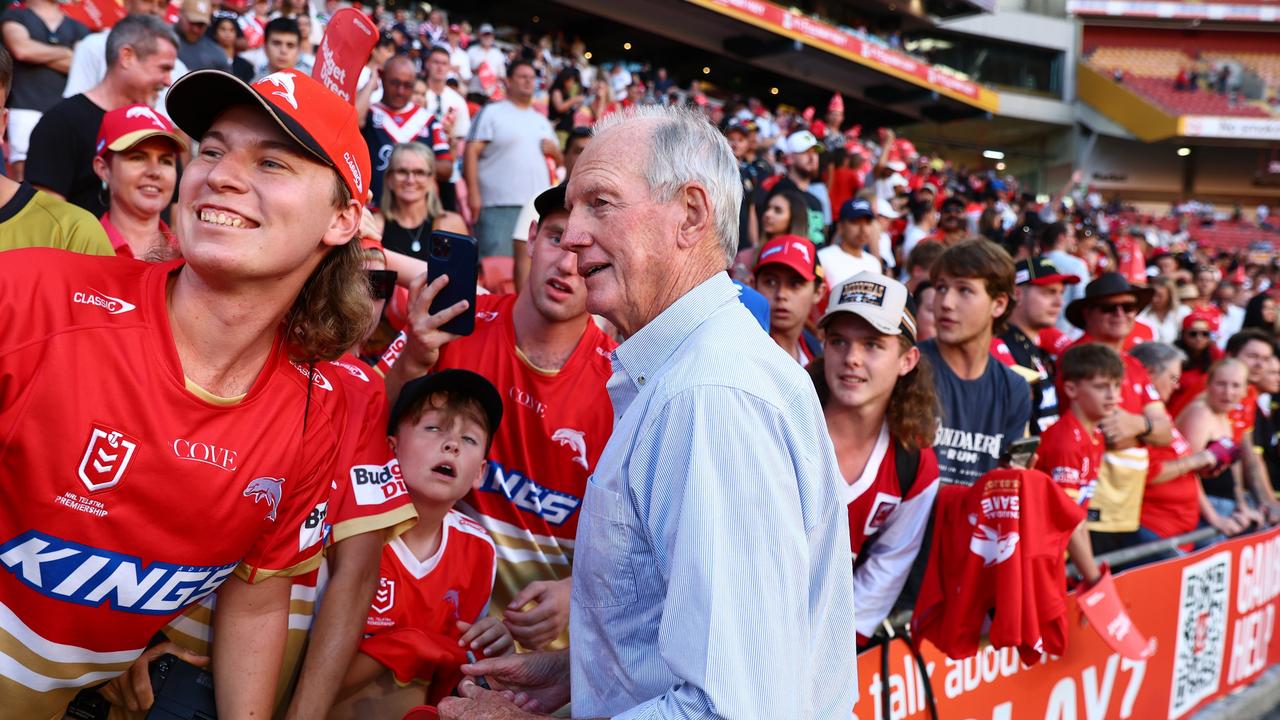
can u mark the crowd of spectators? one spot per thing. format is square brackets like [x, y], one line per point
[942, 313]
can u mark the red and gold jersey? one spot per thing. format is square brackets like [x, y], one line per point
[140, 492]
[1242, 417]
[412, 625]
[554, 426]
[1071, 456]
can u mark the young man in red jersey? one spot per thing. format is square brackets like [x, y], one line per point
[1071, 449]
[431, 605]
[196, 445]
[550, 363]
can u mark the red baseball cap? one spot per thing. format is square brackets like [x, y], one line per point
[792, 251]
[316, 118]
[125, 127]
[1205, 316]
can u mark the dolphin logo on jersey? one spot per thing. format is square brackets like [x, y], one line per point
[284, 81]
[452, 600]
[991, 546]
[576, 440]
[487, 315]
[268, 489]
[384, 598]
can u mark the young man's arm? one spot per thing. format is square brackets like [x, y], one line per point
[250, 625]
[364, 97]
[336, 633]
[28, 50]
[1080, 550]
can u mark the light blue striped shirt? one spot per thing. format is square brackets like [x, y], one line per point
[712, 576]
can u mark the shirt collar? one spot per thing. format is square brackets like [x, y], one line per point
[642, 354]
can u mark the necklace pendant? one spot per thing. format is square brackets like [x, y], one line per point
[416, 246]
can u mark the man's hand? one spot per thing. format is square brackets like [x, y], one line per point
[549, 148]
[424, 338]
[1272, 512]
[537, 681]
[132, 689]
[489, 635]
[547, 619]
[1248, 517]
[1228, 526]
[477, 703]
[1121, 426]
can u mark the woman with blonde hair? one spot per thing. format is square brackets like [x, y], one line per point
[1165, 313]
[410, 203]
[881, 410]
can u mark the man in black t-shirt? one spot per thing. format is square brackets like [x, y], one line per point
[802, 169]
[141, 51]
[1039, 302]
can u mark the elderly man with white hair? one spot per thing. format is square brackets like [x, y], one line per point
[712, 575]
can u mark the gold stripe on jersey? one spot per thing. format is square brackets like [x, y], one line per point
[209, 397]
[529, 364]
[250, 574]
[394, 521]
[35, 685]
[512, 577]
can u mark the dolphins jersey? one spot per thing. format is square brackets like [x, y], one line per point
[368, 495]
[133, 493]
[888, 527]
[554, 426]
[411, 625]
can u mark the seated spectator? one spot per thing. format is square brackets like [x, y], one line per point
[878, 400]
[30, 218]
[1173, 501]
[196, 49]
[1071, 449]
[226, 32]
[857, 229]
[138, 151]
[787, 277]
[435, 581]
[410, 205]
[89, 64]
[985, 405]
[1200, 353]
[141, 51]
[39, 38]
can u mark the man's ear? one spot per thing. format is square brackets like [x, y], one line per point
[345, 225]
[696, 221]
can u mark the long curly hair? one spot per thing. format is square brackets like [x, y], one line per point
[913, 406]
[334, 308]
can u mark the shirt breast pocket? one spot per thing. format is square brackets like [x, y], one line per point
[602, 573]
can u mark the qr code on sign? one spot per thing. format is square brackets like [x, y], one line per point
[1202, 627]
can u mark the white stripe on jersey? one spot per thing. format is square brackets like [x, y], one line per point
[499, 527]
[518, 555]
[13, 670]
[853, 491]
[57, 652]
[1131, 458]
[193, 628]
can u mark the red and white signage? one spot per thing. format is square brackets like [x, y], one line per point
[345, 48]
[1229, 127]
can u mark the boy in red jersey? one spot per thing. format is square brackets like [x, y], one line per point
[196, 445]
[1071, 449]
[431, 605]
[550, 363]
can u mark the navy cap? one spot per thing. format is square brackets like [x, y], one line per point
[856, 208]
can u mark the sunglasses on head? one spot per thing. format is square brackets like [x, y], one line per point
[382, 283]
[1109, 308]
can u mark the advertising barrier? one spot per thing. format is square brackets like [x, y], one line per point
[1212, 616]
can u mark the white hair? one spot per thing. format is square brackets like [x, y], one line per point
[686, 148]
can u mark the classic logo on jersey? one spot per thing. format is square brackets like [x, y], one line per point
[550, 505]
[881, 509]
[1066, 476]
[384, 598]
[313, 527]
[72, 572]
[354, 370]
[376, 484]
[113, 305]
[106, 458]
[864, 292]
[265, 489]
[576, 440]
[317, 379]
[988, 544]
[207, 453]
[284, 81]
[487, 315]
[355, 170]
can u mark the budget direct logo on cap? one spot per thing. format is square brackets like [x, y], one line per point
[862, 292]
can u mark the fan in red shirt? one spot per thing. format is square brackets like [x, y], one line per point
[196, 445]
[1197, 342]
[550, 363]
[881, 412]
[1071, 449]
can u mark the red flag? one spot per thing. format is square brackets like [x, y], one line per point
[95, 14]
[172, 12]
[348, 41]
[1100, 604]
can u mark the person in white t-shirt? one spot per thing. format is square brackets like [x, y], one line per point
[459, 61]
[857, 228]
[486, 52]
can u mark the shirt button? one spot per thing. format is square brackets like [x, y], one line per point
[640, 379]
